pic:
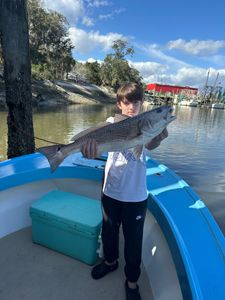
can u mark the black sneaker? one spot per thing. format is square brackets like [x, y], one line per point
[132, 294]
[103, 269]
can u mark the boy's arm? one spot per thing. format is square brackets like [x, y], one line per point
[154, 143]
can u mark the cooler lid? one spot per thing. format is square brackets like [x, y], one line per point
[75, 210]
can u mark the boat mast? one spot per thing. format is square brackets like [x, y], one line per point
[205, 88]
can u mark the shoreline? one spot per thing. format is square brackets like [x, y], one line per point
[64, 92]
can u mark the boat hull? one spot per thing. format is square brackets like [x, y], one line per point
[172, 247]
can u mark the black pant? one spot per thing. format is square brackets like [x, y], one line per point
[131, 215]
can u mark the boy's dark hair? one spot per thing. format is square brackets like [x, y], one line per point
[133, 92]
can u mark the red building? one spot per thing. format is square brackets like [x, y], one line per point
[172, 89]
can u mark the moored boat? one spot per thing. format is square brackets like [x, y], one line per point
[183, 247]
[218, 105]
[192, 103]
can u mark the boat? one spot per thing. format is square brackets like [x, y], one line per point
[217, 105]
[183, 247]
[192, 103]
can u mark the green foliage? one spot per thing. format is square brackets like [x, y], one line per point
[115, 70]
[41, 72]
[50, 47]
[92, 72]
[121, 49]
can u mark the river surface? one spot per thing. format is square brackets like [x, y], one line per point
[195, 148]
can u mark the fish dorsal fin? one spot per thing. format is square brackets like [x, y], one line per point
[119, 117]
[88, 130]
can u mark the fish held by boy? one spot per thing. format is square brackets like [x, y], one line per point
[125, 133]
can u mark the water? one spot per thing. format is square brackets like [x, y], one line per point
[194, 148]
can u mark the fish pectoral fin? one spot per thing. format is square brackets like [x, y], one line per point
[137, 151]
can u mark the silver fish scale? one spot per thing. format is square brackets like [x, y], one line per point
[114, 131]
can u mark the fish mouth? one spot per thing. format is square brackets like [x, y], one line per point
[169, 116]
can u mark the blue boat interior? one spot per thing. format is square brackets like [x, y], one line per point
[196, 243]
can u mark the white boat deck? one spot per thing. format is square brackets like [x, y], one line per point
[30, 271]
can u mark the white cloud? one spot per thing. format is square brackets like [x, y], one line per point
[196, 47]
[98, 3]
[148, 68]
[154, 51]
[72, 9]
[86, 42]
[87, 21]
[90, 60]
[184, 76]
[111, 15]
[189, 76]
[76, 10]
[217, 59]
[153, 72]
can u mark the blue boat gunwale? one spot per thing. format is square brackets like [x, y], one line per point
[34, 167]
[177, 240]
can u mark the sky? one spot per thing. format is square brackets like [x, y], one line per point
[175, 41]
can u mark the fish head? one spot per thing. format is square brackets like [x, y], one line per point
[164, 113]
[155, 120]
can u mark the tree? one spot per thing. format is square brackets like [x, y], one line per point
[92, 72]
[121, 49]
[115, 70]
[17, 74]
[51, 49]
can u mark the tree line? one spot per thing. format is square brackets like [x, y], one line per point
[51, 52]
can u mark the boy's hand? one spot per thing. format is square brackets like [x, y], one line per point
[90, 148]
[154, 143]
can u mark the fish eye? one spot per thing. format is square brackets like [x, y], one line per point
[58, 149]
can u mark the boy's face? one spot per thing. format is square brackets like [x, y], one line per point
[128, 108]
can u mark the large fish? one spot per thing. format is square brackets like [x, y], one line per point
[125, 133]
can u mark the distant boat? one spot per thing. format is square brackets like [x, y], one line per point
[218, 105]
[183, 247]
[192, 103]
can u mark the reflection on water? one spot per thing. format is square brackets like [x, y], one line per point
[194, 148]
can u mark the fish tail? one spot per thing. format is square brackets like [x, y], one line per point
[53, 154]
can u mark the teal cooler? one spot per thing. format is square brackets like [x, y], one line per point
[67, 223]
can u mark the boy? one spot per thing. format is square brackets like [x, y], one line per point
[124, 198]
